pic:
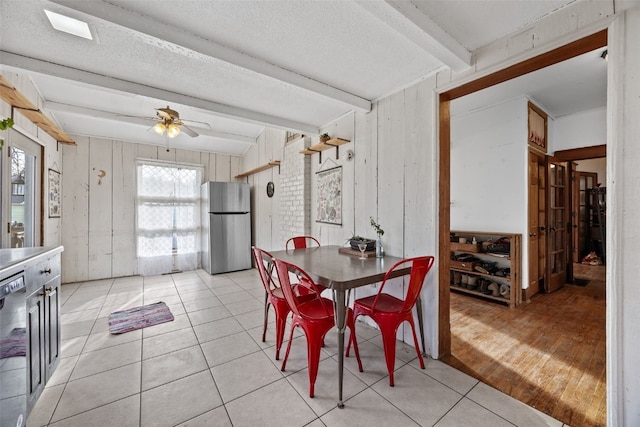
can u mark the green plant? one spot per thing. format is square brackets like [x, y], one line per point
[4, 125]
[325, 135]
[376, 226]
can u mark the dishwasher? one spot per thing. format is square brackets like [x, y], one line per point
[13, 351]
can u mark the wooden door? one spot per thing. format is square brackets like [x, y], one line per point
[580, 182]
[557, 230]
[537, 222]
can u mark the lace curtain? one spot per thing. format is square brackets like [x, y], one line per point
[168, 217]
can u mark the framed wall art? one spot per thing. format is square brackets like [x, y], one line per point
[537, 128]
[330, 196]
[55, 198]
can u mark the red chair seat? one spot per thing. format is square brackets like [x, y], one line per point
[275, 297]
[386, 303]
[389, 312]
[314, 317]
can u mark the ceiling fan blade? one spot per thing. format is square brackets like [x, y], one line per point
[189, 131]
[138, 117]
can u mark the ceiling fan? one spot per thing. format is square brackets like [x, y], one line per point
[169, 122]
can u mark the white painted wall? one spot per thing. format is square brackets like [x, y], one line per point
[488, 150]
[598, 166]
[583, 129]
[489, 188]
[623, 222]
[392, 177]
[99, 213]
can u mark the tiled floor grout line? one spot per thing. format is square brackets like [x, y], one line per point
[79, 354]
[246, 293]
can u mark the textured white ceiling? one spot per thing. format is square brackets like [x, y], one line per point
[232, 67]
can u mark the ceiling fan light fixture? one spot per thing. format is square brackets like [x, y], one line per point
[173, 130]
[159, 128]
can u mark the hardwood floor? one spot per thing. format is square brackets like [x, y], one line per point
[549, 354]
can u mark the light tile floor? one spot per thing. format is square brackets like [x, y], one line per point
[209, 367]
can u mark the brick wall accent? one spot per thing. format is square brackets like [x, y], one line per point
[295, 193]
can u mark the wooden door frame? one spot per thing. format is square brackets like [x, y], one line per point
[568, 51]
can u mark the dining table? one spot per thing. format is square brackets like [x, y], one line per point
[343, 272]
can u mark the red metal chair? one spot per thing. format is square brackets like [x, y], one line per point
[275, 297]
[389, 312]
[301, 242]
[315, 317]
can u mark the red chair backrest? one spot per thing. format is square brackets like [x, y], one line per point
[283, 269]
[264, 261]
[301, 242]
[420, 267]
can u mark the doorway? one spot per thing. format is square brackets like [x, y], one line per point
[568, 51]
[553, 223]
[22, 191]
[588, 212]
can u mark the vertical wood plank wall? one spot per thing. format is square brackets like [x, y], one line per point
[392, 177]
[99, 213]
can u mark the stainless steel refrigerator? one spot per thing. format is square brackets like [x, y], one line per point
[226, 227]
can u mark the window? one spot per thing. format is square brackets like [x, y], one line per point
[168, 217]
[20, 174]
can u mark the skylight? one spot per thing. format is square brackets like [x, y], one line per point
[69, 25]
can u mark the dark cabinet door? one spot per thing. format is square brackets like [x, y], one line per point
[35, 348]
[51, 325]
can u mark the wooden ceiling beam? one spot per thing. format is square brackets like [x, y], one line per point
[405, 18]
[179, 37]
[144, 121]
[224, 110]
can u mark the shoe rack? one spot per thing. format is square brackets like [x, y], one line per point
[478, 269]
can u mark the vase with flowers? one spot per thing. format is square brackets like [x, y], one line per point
[379, 231]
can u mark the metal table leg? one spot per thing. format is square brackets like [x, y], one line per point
[340, 313]
[421, 324]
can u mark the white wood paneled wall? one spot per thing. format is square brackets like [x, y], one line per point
[98, 221]
[266, 221]
[392, 177]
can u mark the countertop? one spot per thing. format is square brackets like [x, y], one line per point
[15, 259]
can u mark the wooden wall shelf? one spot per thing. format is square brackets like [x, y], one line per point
[271, 164]
[18, 101]
[322, 146]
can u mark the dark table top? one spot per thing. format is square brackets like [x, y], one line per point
[340, 271]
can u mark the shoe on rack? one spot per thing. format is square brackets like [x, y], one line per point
[465, 280]
[484, 286]
[495, 289]
[473, 283]
[505, 291]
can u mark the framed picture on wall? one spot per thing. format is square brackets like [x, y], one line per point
[330, 196]
[55, 197]
[537, 128]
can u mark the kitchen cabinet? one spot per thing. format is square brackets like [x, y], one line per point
[29, 328]
[43, 320]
